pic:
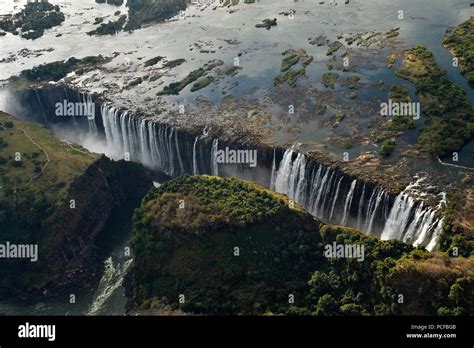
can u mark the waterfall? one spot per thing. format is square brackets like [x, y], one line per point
[272, 179]
[41, 107]
[297, 180]
[374, 203]
[204, 135]
[178, 151]
[347, 205]
[195, 167]
[412, 221]
[361, 208]
[155, 145]
[399, 217]
[214, 164]
[335, 199]
[87, 102]
[325, 194]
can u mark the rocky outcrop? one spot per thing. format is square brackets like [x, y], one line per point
[72, 260]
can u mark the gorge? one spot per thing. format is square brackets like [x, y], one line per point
[159, 95]
[327, 193]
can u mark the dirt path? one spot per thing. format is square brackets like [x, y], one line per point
[43, 150]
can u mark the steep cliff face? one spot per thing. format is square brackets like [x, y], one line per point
[226, 245]
[58, 197]
[72, 258]
[208, 245]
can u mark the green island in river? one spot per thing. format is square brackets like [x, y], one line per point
[461, 43]
[451, 116]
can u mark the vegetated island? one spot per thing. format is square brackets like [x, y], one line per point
[58, 196]
[32, 20]
[291, 58]
[450, 115]
[58, 70]
[140, 13]
[461, 44]
[208, 245]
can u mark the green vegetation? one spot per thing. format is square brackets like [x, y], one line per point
[40, 176]
[458, 230]
[267, 23]
[343, 143]
[185, 237]
[461, 44]
[291, 77]
[173, 63]
[387, 148]
[451, 117]
[57, 70]
[110, 28]
[176, 87]
[352, 82]
[31, 186]
[110, 2]
[142, 12]
[347, 142]
[400, 123]
[232, 70]
[153, 61]
[202, 83]
[392, 33]
[330, 79]
[391, 59]
[321, 109]
[211, 67]
[33, 20]
[291, 58]
[334, 47]
[289, 61]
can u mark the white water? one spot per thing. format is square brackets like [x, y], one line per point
[111, 280]
[195, 166]
[413, 222]
[321, 192]
[335, 199]
[155, 145]
[378, 193]
[317, 188]
[215, 165]
[360, 209]
[347, 205]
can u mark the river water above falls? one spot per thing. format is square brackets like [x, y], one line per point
[327, 194]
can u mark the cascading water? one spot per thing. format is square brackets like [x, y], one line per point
[195, 167]
[204, 135]
[347, 205]
[145, 141]
[413, 222]
[325, 194]
[215, 165]
[377, 195]
[111, 280]
[88, 103]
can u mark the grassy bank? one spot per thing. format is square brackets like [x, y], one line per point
[450, 123]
